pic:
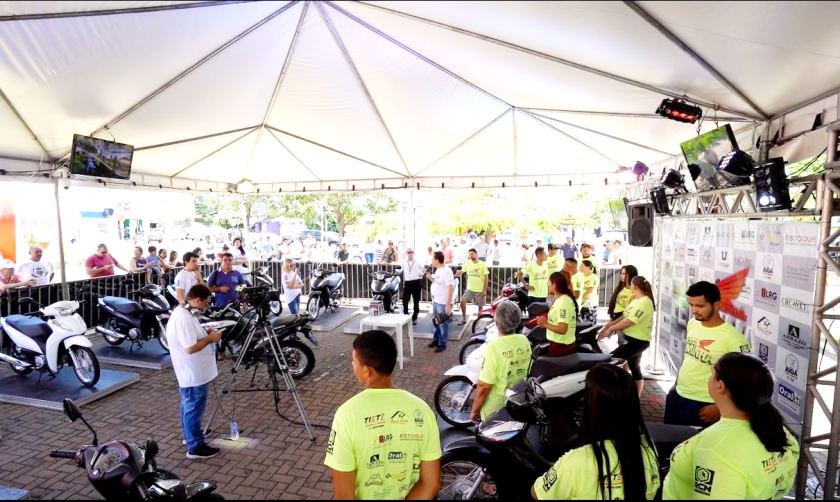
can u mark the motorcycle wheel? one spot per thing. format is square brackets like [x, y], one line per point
[446, 391]
[162, 337]
[300, 358]
[313, 307]
[87, 371]
[14, 350]
[482, 323]
[456, 469]
[468, 349]
[112, 340]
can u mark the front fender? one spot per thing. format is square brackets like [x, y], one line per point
[464, 371]
[467, 444]
[77, 340]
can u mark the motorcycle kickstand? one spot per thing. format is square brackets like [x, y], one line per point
[251, 385]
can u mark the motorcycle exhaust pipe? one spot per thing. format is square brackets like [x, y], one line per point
[12, 360]
[105, 331]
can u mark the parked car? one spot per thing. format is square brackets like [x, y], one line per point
[155, 235]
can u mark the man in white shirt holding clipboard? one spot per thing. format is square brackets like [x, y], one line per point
[412, 271]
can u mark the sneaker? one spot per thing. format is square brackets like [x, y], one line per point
[414, 322]
[440, 348]
[462, 323]
[203, 451]
[433, 344]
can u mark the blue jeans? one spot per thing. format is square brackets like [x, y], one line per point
[368, 257]
[293, 305]
[683, 411]
[193, 402]
[442, 331]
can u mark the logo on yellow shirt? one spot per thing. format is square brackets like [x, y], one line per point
[399, 418]
[374, 480]
[418, 418]
[375, 421]
[703, 480]
[375, 462]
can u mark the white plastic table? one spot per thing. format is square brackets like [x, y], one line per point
[396, 321]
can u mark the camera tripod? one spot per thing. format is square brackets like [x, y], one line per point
[282, 366]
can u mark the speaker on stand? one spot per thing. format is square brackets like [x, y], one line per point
[640, 231]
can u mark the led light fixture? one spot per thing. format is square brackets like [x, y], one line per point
[673, 179]
[679, 110]
[736, 167]
[771, 186]
[660, 200]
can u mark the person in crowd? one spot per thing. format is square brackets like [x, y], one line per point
[526, 255]
[138, 264]
[561, 323]
[589, 291]
[163, 261]
[384, 441]
[708, 338]
[506, 361]
[240, 258]
[412, 271]
[622, 294]
[569, 249]
[343, 255]
[749, 454]
[378, 251]
[615, 257]
[188, 277]
[173, 259]
[497, 253]
[102, 263]
[637, 325]
[369, 248]
[36, 268]
[537, 277]
[9, 279]
[617, 459]
[295, 249]
[285, 249]
[482, 248]
[463, 253]
[224, 281]
[442, 288]
[202, 258]
[292, 285]
[607, 249]
[570, 266]
[477, 278]
[586, 252]
[225, 249]
[390, 255]
[154, 264]
[552, 263]
[448, 252]
[194, 363]
[430, 257]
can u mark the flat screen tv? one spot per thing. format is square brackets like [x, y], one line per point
[100, 158]
[704, 154]
[621, 219]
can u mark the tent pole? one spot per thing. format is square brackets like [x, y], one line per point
[244, 221]
[65, 291]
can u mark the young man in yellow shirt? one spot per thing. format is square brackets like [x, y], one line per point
[537, 272]
[477, 278]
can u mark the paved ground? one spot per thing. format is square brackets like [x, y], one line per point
[273, 460]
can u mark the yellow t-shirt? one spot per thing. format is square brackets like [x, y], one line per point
[577, 283]
[589, 282]
[562, 311]
[475, 275]
[554, 263]
[625, 296]
[537, 277]
[727, 461]
[382, 435]
[575, 476]
[703, 347]
[506, 361]
[640, 311]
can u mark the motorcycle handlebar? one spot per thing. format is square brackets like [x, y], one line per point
[63, 454]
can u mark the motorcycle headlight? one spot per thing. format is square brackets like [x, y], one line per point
[502, 431]
[276, 308]
[65, 311]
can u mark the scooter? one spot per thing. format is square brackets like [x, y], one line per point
[511, 293]
[508, 453]
[324, 292]
[126, 319]
[46, 346]
[535, 312]
[385, 288]
[126, 470]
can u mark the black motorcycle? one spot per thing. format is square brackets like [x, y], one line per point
[385, 287]
[125, 319]
[126, 470]
[324, 291]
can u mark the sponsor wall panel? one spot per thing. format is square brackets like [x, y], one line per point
[766, 273]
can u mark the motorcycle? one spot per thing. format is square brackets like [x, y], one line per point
[126, 319]
[324, 291]
[126, 470]
[46, 346]
[535, 312]
[508, 453]
[385, 288]
[510, 292]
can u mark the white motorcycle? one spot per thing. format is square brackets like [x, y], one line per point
[46, 346]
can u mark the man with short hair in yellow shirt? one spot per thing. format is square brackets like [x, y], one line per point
[384, 443]
[709, 337]
[537, 272]
[477, 278]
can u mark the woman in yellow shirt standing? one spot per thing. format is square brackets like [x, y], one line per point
[589, 292]
[561, 322]
[637, 325]
[622, 295]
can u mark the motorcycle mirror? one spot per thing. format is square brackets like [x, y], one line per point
[152, 449]
[25, 301]
[71, 411]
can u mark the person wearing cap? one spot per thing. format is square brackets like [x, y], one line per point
[506, 361]
[102, 263]
[552, 261]
[9, 279]
[37, 269]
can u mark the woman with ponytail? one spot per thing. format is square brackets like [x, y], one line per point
[561, 322]
[637, 325]
[748, 454]
[622, 295]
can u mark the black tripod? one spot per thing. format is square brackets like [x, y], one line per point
[280, 365]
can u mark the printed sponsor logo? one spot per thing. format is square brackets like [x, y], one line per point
[798, 305]
[791, 366]
[771, 236]
[666, 320]
[764, 353]
[399, 418]
[549, 479]
[769, 295]
[375, 480]
[375, 421]
[748, 234]
[703, 480]
[411, 437]
[743, 262]
[692, 252]
[801, 240]
[790, 398]
[802, 273]
[792, 336]
[331, 443]
[396, 456]
[724, 254]
[707, 276]
[375, 461]
[679, 270]
[415, 461]
[384, 439]
[765, 327]
[396, 477]
[767, 266]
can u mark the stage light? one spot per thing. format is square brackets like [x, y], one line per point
[736, 167]
[626, 175]
[673, 179]
[679, 110]
[639, 169]
[245, 186]
[660, 200]
[771, 186]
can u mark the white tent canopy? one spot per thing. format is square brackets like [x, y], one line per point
[338, 95]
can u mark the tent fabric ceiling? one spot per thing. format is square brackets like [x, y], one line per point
[332, 91]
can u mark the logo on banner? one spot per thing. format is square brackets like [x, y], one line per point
[730, 288]
[767, 267]
[801, 240]
[789, 398]
[743, 262]
[765, 327]
[692, 234]
[797, 305]
[764, 353]
[679, 270]
[800, 272]
[692, 252]
[793, 337]
[771, 236]
[769, 295]
[724, 254]
[747, 234]
[666, 320]
[707, 276]
[791, 366]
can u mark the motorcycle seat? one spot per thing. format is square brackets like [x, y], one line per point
[122, 305]
[551, 367]
[36, 329]
[536, 309]
[283, 321]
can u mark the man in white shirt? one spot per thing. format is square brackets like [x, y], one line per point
[36, 269]
[462, 253]
[188, 277]
[194, 362]
[412, 271]
[442, 285]
[482, 248]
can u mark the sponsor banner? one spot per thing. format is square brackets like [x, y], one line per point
[791, 368]
[768, 267]
[677, 350]
[745, 236]
[769, 238]
[801, 239]
[765, 326]
[799, 272]
[792, 305]
[767, 296]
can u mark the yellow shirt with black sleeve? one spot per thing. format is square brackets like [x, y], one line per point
[703, 347]
[625, 296]
[475, 275]
[587, 282]
[575, 476]
[382, 435]
[553, 264]
[538, 278]
[506, 361]
[562, 311]
[728, 461]
[640, 311]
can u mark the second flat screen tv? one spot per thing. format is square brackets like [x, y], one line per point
[101, 158]
[621, 219]
[704, 153]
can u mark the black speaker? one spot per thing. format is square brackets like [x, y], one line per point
[640, 232]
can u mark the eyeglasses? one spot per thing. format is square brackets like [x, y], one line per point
[410, 252]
